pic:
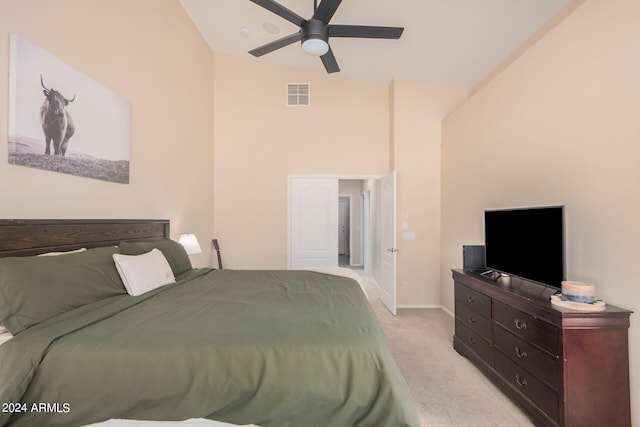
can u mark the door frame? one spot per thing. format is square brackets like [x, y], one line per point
[327, 176]
[365, 237]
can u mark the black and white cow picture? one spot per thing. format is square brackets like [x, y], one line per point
[57, 123]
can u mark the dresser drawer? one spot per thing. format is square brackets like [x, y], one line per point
[475, 300]
[527, 327]
[543, 397]
[479, 324]
[543, 366]
[474, 342]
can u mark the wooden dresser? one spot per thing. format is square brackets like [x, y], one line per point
[563, 367]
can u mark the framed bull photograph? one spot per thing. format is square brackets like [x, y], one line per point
[63, 121]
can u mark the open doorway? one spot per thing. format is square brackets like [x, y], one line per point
[313, 224]
[344, 231]
[351, 232]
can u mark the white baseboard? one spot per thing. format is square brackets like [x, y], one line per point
[447, 311]
[418, 306]
[426, 306]
[414, 305]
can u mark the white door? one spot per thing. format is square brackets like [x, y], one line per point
[387, 229]
[313, 222]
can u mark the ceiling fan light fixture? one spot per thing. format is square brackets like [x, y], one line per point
[315, 46]
[315, 32]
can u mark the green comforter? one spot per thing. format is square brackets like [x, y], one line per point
[272, 348]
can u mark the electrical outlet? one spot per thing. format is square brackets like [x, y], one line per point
[405, 285]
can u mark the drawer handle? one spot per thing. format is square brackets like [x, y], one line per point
[472, 319]
[520, 325]
[521, 381]
[471, 299]
[472, 340]
[520, 353]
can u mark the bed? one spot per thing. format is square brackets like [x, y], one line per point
[267, 348]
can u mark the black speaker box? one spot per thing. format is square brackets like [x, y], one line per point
[473, 258]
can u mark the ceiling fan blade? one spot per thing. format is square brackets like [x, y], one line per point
[326, 9]
[281, 11]
[329, 61]
[364, 31]
[270, 47]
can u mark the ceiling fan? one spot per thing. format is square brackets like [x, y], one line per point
[315, 32]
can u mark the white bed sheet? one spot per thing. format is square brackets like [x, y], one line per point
[194, 422]
[4, 337]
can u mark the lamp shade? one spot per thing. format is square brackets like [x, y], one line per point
[190, 243]
[315, 46]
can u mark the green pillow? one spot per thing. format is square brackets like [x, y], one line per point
[34, 289]
[173, 251]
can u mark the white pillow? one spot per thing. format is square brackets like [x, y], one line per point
[143, 273]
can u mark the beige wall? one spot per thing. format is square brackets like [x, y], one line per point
[559, 126]
[148, 52]
[259, 142]
[418, 110]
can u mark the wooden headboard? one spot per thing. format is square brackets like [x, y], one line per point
[22, 237]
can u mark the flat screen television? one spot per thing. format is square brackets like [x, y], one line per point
[527, 242]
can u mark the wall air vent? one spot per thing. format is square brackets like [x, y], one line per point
[298, 94]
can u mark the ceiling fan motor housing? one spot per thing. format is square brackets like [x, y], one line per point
[315, 29]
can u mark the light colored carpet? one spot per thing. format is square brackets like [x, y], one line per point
[447, 388]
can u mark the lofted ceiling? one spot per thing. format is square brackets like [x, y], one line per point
[453, 43]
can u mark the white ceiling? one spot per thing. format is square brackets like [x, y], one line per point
[454, 43]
